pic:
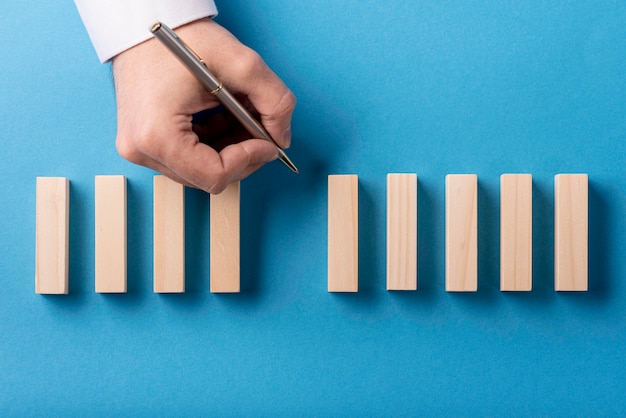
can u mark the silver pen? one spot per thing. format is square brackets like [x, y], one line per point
[196, 65]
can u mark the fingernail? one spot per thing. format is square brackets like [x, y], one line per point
[285, 138]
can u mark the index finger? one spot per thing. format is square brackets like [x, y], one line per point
[269, 95]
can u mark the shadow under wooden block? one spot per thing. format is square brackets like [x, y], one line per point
[401, 231]
[516, 205]
[225, 240]
[461, 233]
[110, 234]
[343, 237]
[169, 236]
[571, 215]
[52, 235]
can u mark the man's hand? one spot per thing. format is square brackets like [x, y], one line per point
[157, 97]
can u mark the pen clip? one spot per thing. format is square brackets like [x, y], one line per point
[160, 26]
[190, 53]
[199, 58]
[195, 54]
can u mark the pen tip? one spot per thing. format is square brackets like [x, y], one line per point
[283, 157]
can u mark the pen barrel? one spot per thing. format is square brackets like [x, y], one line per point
[181, 51]
[195, 64]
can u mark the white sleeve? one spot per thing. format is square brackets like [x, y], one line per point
[116, 25]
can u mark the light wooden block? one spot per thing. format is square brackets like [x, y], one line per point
[110, 234]
[516, 207]
[461, 233]
[343, 233]
[52, 235]
[225, 240]
[169, 236]
[571, 232]
[401, 231]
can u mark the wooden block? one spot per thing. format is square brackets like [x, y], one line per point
[225, 233]
[169, 236]
[516, 225]
[401, 231]
[571, 232]
[52, 235]
[110, 234]
[343, 233]
[461, 233]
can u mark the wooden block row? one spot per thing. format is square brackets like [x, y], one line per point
[571, 232]
[52, 236]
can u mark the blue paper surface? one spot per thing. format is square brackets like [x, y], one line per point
[383, 86]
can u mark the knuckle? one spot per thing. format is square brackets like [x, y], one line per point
[127, 149]
[216, 181]
[286, 104]
[144, 143]
[248, 64]
[290, 100]
[139, 147]
[217, 186]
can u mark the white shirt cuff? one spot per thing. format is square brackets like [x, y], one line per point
[117, 25]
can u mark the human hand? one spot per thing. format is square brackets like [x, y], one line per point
[157, 98]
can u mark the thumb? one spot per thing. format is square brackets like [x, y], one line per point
[242, 159]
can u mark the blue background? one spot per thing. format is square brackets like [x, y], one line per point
[432, 87]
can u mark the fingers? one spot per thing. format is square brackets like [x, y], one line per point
[195, 164]
[202, 167]
[130, 153]
[269, 95]
[242, 159]
[157, 98]
[243, 71]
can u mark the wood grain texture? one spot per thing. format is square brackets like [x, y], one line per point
[225, 240]
[110, 234]
[571, 232]
[343, 236]
[169, 236]
[52, 235]
[516, 225]
[401, 231]
[461, 233]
